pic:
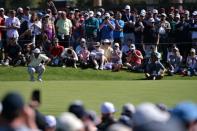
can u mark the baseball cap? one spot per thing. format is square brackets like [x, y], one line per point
[46, 15]
[98, 13]
[1, 9]
[193, 50]
[91, 13]
[178, 16]
[107, 15]
[132, 46]
[127, 7]
[106, 41]
[12, 102]
[142, 14]
[69, 122]
[83, 40]
[151, 20]
[97, 44]
[37, 51]
[128, 108]
[77, 108]
[194, 13]
[116, 44]
[186, 111]
[147, 113]
[50, 121]
[143, 11]
[155, 11]
[107, 107]
[187, 12]
[163, 14]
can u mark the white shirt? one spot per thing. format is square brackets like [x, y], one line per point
[37, 61]
[12, 32]
[35, 27]
[65, 54]
[97, 53]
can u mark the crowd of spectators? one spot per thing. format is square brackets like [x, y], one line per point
[15, 115]
[152, 41]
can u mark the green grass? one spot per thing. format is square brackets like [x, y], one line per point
[62, 86]
[58, 73]
[56, 95]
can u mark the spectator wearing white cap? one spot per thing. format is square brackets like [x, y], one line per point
[116, 58]
[134, 59]
[130, 20]
[107, 28]
[91, 28]
[107, 47]
[36, 64]
[2, 14]
[51, 123]
[97, 56]
[174, 62]
[192, 63]
[107, 119]
[155, 16]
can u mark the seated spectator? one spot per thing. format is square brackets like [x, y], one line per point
[51, 123]
[107, 116]
[69, 57]
[56, 52]
[106, 46]
[84, 55]
[116, 58]
[154, 69]
[192, 63]
[174, 62]
[80, 46]
[134, 59]
[13, 55]
[125, 49]
[97, 56]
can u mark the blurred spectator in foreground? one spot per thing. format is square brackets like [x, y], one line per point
[51, 123]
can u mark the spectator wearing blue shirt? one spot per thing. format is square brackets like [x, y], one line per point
[107, 28]
[118, 32]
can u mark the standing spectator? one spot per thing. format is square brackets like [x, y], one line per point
[139, 29]
[155, 16]
[2, 28]
[194, 29]
[192, 63]
[27, 14]
[12, 25]
[107, 119]
[164, 29]
[107, 28]
[151, 35]
[56, 52]
[69, 57]
[129, 20]
[36, 64]
[91, 29]
[154, 69]
[64, 29]
[118, 32]
[48, 28]
[134, 59]
[51, 6]
[97, 56]
[182, 36]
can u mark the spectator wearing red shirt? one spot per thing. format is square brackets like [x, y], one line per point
[56, 52]
[134, 59]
